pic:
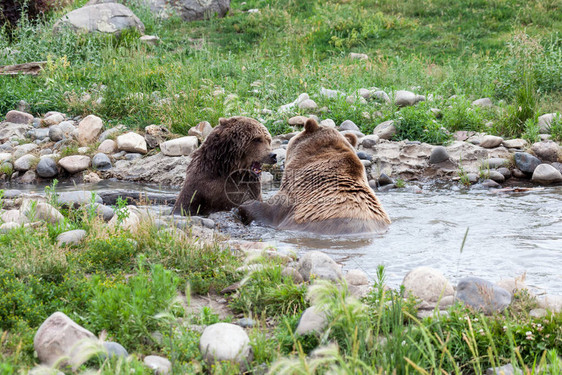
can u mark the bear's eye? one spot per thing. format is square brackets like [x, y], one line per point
[256, 140]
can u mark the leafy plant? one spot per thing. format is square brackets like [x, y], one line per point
[417, 123]
[556, 128]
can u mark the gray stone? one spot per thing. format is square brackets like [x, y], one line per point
[505, 172]
[160, 365]
[246, 323]
[114, 349]
[132, 142]
[546, 120]
[315, 264]
[8, 227]
[225, 342]
[312, 321]
[14, 216]
[132, 156]
[308, 104]
[381, 96]
[472, 178]
[482, 295]
[55, 133]
[297, 120]
[439, 154]
[364, 156]
[183, 146]
[110, 133]
[47, 168]
[385, 130]
[77, 198]
[109, 18]
[75, 163]
[40, 211]
[328, 123]
[101, 162]
[331, 94]
[53, 119]
[201, 130]
[152, 40]
[489, 183]
[546, 174]
[108, 146]
[427, 284]
[25, 162]
[548, 151]
[503, 370]
[18, 117]
[188, 10]
[24, 149]
[356, 277]
[495, 163]
[358, 134]
[384, 179]
[9, 130]
[89, 129]
[73, 237]
[29, 177]
[404, 98]
[60, 337]
[496, 176]
[349, 125]
[526, 162]
[483, 103]
[369, 141]
[514, 143]
[358, 56]
[39, 133]
[293, 274]
[490, 141]
[103, 211]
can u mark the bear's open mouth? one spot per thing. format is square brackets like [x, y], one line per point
[256, 168]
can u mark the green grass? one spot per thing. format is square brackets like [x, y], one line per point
[264, 60]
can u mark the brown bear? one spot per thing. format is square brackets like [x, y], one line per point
[324, 188]
[225, 171]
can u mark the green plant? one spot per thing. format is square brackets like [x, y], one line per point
[7, 169]
[400, 183]
[416, 123]
[462, 116]
[121, 210]
[556, 128]
[462, 174]
[51, 193]
[532, 130]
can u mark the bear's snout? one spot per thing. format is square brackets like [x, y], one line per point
[272, 158]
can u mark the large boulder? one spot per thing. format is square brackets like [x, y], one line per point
[18, 117]
[109, 18]
[180, 146]
[526, 162]
[225, 342]
[316, 264]
[59, 337]
[546, 174]
[75, 163]
[427, 284]
[547, 151]
[132, 142]
[89, 129]
[482, 295]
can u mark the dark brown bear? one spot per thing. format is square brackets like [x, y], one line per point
[324, 188]
[225, 171]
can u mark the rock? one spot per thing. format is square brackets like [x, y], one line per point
[312, 321]
[369, 141]
[328, 123]
[490, 141]
[315, 264]
[538, 313]
[404, 98]
[18, 117]
[293, 274]
[297, 120]
[438, 155]
[28, 177]
[349, 125]
[308, 104]
[201, 130]
[131, 222]
[358, 134]
[160, 365]
[427, 284]
[114, 349]
[546, 151]
[514, 143]
[356, 277]
[183, 146]
[503, 370]
[108, 146]
[41, 211]
[111, 132]
[47, 168]
[280, 154]
[505, 172]
[101, 162]
[381, 96]
[10, 130]
[384, 180]
[483, 103]
[160, 169]
[494, 163]
[472, 178]
[105, 212]
[77, 198]
[89, 130]
[24, 149]
[358, 56]
[496, 176]
[132, 142]
[54, 119]
[188, 10]
[546, 174]
[8, 227]
[353, 99]
[14, 216]
[44, 370]
[91, 178]
[55, 133]
[25, 162]
[59, 337]
[109, 18]
[364, 156]
[550, 302]
[5, 156]
[331, 94]
[39, 134]
[75, 163]
[225, 342]
[152, 40]
[513, 285]
[546, 120]
[526, 162]
[385, 130]
[482, 295]
[73, 237]
[489, 183]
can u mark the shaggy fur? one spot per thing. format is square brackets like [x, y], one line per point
[224, 171]
[324, 188]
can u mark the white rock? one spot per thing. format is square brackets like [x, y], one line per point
[160, 365]
[7, 227]
[150, 39]
[546, 174]
[24, 149]
[53, 119]
[225, 342]
[89, 129]
[328, 123]
[427, 284]
[514, 143]
[109, 146]
[14, 216]
[18, 117]
[59, 337]
[545, 121]
[550, 302]
[308, 104]
[312, 321]
[385, 130]
[490, 141]
[26, 162]
[484, 103]
[72, 237]
[132, 142]
[319, 265]
[356, 277]
[180, 146]
[358, 56]
[131, 222]
[5, 156]
[41, 211]
[75, 163]
[403, 98]
[331, 94]
[382, 96]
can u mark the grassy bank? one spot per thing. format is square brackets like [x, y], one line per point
[509, 50]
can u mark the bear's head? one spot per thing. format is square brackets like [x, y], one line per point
[316, 142]
[238, 143]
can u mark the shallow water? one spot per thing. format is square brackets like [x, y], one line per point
[509, 234]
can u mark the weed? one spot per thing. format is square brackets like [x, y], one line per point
[400, 183]
[532, 130]
[417, 123]
[556, 128]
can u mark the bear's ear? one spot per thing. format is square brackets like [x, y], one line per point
[223, 121]
[311, 125]
[351, 138]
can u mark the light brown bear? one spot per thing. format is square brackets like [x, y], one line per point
[324, 188]
[225, 171]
